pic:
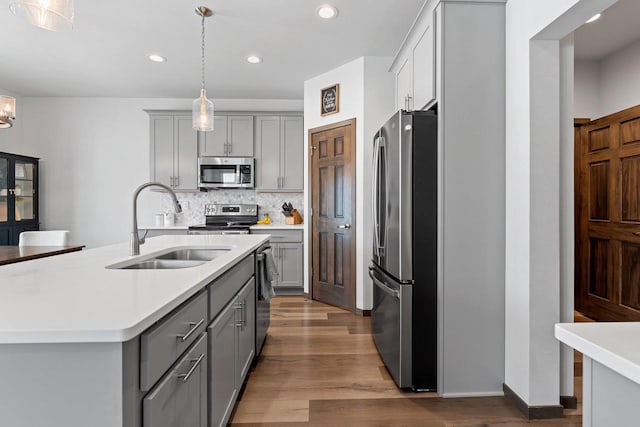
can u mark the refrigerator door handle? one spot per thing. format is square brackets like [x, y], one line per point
[382, 240]
[374, 198]
[383, 286]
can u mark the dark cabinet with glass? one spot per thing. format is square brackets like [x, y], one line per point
[18, 196]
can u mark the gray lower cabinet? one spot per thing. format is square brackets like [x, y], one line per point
[180, 398]
[287, 249]
[289, 262]
[231, 351]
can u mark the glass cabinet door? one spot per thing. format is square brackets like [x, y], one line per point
[24, 191]
[4, 190]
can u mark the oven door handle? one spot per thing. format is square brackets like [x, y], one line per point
[395, 293]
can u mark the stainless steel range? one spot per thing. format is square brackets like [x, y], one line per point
[227, 219]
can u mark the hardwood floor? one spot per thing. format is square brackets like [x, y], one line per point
[320, 367]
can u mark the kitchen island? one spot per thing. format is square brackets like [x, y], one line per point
[610, 370]
[82, 344]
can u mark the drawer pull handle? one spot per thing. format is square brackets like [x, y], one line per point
[194, 327]
[185, 377]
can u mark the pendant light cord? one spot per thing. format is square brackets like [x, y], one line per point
[203, 16]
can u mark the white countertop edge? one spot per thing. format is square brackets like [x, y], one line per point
[164, 227]
[567, 333]
[121, 335]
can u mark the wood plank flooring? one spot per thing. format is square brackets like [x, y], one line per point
[320, 367]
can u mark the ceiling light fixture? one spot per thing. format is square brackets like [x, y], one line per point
[52, 15]
[156, 58]
[7, 111]
[327, 11]
[253, 59]
[593, 18]
[202, 107]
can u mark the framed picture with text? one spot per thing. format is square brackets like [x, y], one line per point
[330, 100]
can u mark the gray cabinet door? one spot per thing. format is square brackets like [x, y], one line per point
[223, 357]
[267, 152]
[240, 136]
[292, 163]
[180, 398]
[290, 264]
[186, 154]
[214, 143]
[162, 149]
[246, 329]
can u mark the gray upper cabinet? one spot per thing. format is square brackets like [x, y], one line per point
[279, 153]
[174, 151]
[231, 136]
[180, 398]
[424, 81]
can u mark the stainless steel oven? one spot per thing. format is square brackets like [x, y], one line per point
[225, 172]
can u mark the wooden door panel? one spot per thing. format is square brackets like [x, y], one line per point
[599, 191]
[630, 131]
[599, 139]
[630, 275]
[630, 188]
[333, 199]
[608, 217]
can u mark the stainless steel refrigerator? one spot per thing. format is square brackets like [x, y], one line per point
[404, 262]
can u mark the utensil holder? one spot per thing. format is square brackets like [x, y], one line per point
[295, 218]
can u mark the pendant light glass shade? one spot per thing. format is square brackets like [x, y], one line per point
[7, 111]
[203, 113]
[203, 108]
[52, 15]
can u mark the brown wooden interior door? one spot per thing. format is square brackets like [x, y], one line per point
[333, 222]
[608, 212]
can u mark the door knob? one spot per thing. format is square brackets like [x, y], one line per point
[345, 226]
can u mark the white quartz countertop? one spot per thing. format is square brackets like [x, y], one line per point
[277, 227]
[615, 345]
[165, 227]
[74, 298]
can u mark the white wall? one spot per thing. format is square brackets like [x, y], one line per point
[366, 94]
[94, 153]
[609, 85]
[586, 103]
[532, 285]
[11, 140]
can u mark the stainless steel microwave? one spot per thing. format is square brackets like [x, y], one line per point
[225, 172]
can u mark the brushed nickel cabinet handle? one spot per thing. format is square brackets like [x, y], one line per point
[185, 377]
[194, 327]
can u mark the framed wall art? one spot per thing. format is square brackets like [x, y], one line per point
[330, 100]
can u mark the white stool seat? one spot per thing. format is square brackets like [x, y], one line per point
[44, 238]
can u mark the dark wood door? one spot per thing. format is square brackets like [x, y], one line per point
[608, 212]
[333, 249]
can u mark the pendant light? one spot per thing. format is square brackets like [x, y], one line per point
[52, 15]
[7, 111]
[202, 107]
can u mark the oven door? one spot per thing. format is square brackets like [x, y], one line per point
[391, 325]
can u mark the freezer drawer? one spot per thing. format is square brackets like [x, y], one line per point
[391, 325]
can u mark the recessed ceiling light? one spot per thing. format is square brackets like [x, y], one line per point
[327, 11]
[253, 59]
[157, 58]
[594, 18]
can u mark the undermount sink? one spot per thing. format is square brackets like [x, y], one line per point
[175, 259]
[162, 264]
[193, 254]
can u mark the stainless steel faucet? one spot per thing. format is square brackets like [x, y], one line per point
[136, 240]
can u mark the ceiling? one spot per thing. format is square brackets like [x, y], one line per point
[106, 53]
[617, 28]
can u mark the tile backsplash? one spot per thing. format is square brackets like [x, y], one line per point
[271, 203]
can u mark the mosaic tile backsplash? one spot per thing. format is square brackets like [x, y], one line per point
[271, 203]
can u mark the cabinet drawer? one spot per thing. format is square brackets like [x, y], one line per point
[226, 286]
[289, 236]
[161, 345]
[180, 398]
